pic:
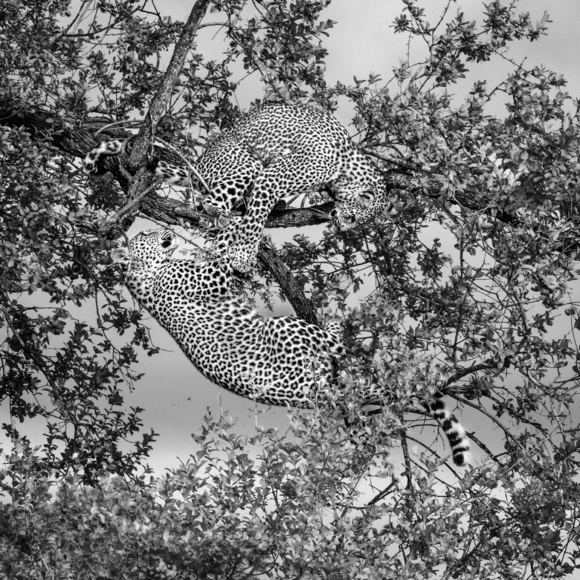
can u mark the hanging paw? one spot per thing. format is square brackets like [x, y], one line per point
[243, 257]
[229, 243]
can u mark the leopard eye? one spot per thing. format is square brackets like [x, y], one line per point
[166, 243]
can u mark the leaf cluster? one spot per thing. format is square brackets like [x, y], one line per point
[467, 287]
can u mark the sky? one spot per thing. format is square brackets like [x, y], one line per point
[173, 393]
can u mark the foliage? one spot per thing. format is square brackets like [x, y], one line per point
[245, 507]
[483, 309]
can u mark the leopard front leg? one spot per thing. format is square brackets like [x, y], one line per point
[291, 174]
[230, 171]
[243, 251]
[239, 240]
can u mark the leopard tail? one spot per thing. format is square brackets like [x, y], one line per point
[453, 430]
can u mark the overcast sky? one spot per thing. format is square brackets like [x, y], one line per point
[173, 393]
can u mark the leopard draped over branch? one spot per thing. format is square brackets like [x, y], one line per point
[276, 151]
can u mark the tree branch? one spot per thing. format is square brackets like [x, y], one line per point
[159, 103]
[292, 290]
[488, 364]
[78, 142]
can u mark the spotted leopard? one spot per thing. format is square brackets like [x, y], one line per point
[275, 151]
[278, 361]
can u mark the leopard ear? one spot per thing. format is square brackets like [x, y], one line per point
[120, 255]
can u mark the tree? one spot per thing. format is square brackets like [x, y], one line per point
[474, 322]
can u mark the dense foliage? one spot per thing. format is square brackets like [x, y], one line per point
[468, 288]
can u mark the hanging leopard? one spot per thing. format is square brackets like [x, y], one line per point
[279, 361]
[275, 151]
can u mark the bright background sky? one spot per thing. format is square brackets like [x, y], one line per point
[174, 394]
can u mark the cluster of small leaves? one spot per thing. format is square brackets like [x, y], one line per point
[282, 43]
[304, 505]
[38, 75]
[462, 41]
[239, 506]
[55, 364]
[470, 313]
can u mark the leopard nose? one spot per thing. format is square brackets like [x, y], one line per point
[342, 221]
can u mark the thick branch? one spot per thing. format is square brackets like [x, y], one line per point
[78, 143]
[295, 294]
[143, 180]
[158, 105]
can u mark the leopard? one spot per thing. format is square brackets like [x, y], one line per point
[280, 361]
[274, 152]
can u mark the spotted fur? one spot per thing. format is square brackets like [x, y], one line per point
[278, 361]
[453, 430]
[275, 151]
